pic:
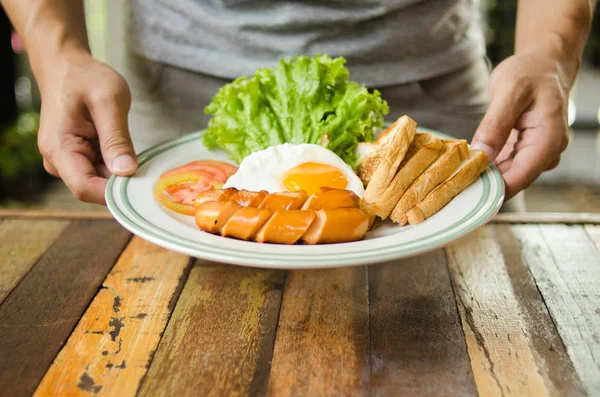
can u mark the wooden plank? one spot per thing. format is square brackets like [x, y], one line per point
[503, 217]
[110, 350]
[53, 214]
[546, 217]
[22, 243]
[497, 334]
[40, 313]
[562, 197]
[551, 357]
[594, 232]
[220, 338]
[322, 345]
[417, 344]
[566, 267]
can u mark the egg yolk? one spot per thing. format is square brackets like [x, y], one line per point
[311, 177]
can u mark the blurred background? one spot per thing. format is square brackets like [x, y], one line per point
[572, 187]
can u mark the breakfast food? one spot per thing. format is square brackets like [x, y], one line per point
[301, 100]
[466, 174]
[426, 174]
[330, 216]
[379, 166]
[453, 152]
[309, 169]
[295, 167]
[177, 188]
[421, 153]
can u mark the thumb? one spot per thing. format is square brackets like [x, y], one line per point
[110, 119]
[505, 109]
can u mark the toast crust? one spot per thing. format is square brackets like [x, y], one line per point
[440, 196]
[390, 152]
[448, 160]
[374, 153]
[423, 151]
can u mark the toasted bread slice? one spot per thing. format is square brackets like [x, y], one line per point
[423, 150]
[451, 155]
[380, 160]
[463, 177]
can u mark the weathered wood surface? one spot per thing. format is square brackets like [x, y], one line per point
[546, 217]
[552, 358]
[112, 346]
[508, 331]
[54, 214]
[322, 344]
[566, 267]
[594, 232]
[508, 310]
[40, 313]
[417, 344]
[562, 197]
[220, 338]
[21, 244]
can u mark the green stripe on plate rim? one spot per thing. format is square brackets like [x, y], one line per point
[222, 254]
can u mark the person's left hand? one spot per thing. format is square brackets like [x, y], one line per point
[525, 129]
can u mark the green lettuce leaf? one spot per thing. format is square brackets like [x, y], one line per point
[298, 101]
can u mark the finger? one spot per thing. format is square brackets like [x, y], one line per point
[528, 120]
[50, 168]
[508, 149]
[553, 164]
[79, 174]
[109, 112]
[102, 171]
[528, 164]
[506, 107]
[505, 165]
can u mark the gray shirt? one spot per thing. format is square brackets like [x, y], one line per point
[386, 42]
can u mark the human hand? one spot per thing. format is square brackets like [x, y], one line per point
[525, 129]
[83, 134]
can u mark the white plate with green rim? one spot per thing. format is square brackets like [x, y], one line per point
[131, 202]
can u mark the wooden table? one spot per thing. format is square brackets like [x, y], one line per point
[513, 309]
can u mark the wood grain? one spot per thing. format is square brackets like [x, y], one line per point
[40, 313]
[220, 338]
[562, 197]
[566, 266]
[22, 243]
[417, 344]
[497, 334]
[322, 345]
[594, 232]
[551, 357]
[111, 348]
[53, 214]
[546, 217]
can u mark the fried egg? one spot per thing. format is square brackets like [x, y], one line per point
[294, 167]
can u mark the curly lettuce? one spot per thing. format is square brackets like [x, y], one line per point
[304, 100]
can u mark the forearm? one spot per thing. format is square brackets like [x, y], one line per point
[50, 29]
[560, 27]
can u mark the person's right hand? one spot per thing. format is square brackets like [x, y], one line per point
[83, 134]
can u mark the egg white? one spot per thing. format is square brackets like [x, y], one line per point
[264, 170]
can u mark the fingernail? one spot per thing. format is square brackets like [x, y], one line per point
[489, 151]
[124, 163]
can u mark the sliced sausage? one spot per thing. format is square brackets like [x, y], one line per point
[284, 200]
[246, 198]
[337, 225]
[213, 215]
[246, 222]
[214, 195]
[285, 227]
[332, 198]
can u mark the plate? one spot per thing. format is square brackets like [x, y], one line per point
[132, 204]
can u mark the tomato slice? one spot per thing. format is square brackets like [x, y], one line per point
[176, 189]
